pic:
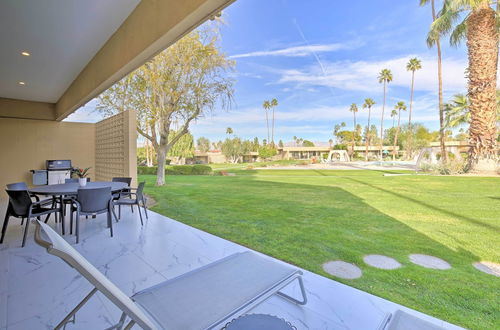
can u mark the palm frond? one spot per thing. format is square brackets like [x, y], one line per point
[443, 24]
[459, 33]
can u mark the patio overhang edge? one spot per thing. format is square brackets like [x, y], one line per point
[150, 28]
[12, 108]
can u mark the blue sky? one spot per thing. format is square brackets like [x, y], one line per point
[317, 57]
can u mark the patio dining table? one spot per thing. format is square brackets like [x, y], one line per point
[59, 191]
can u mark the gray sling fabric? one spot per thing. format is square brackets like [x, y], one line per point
[205, 296]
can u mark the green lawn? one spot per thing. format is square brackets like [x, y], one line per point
[308, 217]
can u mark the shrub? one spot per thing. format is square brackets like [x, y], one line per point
[141, 170]
[177, 170]
[202, 169]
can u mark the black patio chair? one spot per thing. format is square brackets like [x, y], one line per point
[91, 201]
[124, 193]
[22, 206]
[22, 186]
[139, 198]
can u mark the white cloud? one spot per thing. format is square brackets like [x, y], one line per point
[297, 51]
[362, 75]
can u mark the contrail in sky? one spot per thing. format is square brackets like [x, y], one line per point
[313, 52]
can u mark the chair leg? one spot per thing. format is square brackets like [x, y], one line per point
[114, 213]
[140, 214]
[4, 227]
[26, 230]
[119, 211]
[132, 208]
[110, 222]
[71, 221]
[77, 226]
[145, 208]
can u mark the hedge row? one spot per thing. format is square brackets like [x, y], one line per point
[177, 170]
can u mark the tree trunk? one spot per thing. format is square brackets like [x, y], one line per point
[267, 122]
[382, 123]
[482, 45]
[160, 173]
[410, 130]
[272, 132]
[396, 136]
[368, 134]
[444, 154]
[353, 134]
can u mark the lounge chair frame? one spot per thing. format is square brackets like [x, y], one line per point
[139, 313]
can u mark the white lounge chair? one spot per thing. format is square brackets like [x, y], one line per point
[200, 299]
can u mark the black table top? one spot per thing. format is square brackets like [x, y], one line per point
[72, 188]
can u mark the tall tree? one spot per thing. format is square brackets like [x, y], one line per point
[274, 104]
[480, 29]
[353, 109]
[179, 85]
[394, 114]
[369, 103]
[414, 64]
[401, 106]
[203, 144]
[267, 105]
[384, 77]
[437, 42]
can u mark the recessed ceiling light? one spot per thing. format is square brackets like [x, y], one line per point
[22, 83]
[25, 53]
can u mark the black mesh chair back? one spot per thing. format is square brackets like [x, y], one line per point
[126, 180]
[17, 186]
[94, 199]
[140, 190]
[20, 202]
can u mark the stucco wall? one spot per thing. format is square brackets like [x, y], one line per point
[116, 148]
[27, 144]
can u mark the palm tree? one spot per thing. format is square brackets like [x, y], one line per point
[437, 42]
[401, 106]
[330, 142]
[368, 105]
[229, 131]
[394, 114]
[273, 104]
[353, 109]
[295, 140]
[267, 105]
[413, 65]
[384, 77]
[481, 30]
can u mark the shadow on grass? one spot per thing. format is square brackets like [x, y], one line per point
[427, 205]
[307, 225]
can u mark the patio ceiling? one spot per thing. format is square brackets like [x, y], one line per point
[77, 49]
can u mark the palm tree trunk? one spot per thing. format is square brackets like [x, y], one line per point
[482, 45]
[368, 134]
[444, 155]
[382, 123]
[267, 123]
[272, 132]
[410, 130]
[396, 136]
[353, 133]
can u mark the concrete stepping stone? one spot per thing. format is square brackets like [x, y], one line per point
[381, 261]
[342, 269]
[427, 261]
[488, 267]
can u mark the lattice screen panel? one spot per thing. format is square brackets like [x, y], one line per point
[115, 152]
